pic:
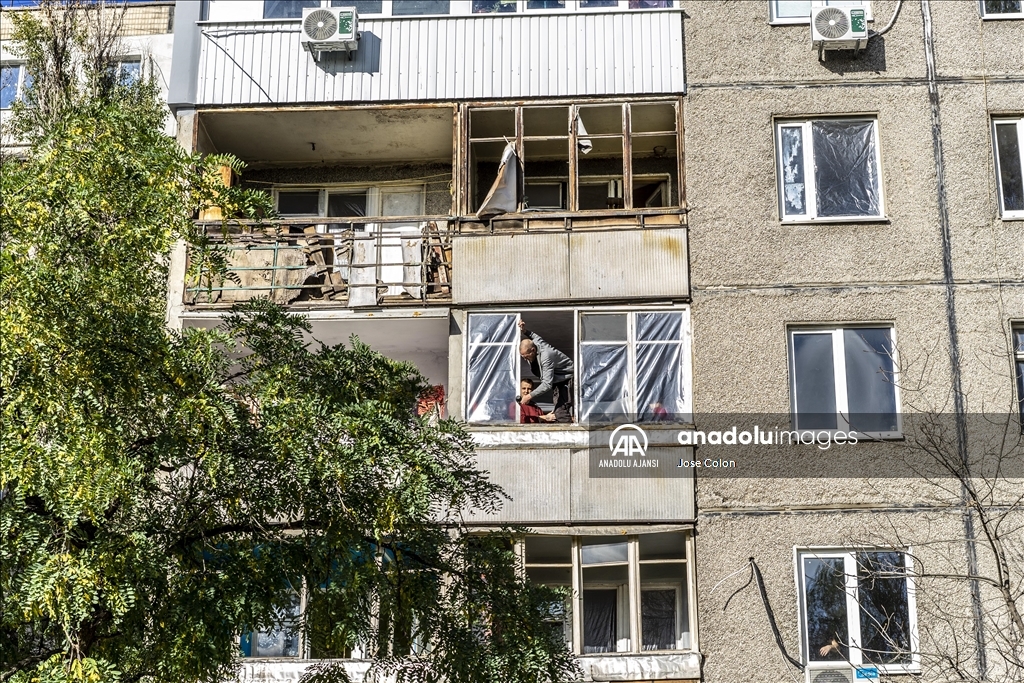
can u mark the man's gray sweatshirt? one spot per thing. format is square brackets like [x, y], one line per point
[551, 365]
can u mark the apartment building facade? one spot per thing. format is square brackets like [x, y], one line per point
[712, 221]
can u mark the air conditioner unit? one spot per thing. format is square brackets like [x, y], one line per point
[330, 29]
[841, 672]
[838, 28]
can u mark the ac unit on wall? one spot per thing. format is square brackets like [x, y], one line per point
[330, 29]
[838, 28]
[841, 672]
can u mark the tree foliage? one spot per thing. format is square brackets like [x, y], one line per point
[163, 492]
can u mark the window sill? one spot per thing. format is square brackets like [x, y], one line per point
[880, 220]
[1003, 17]
[1012, 217]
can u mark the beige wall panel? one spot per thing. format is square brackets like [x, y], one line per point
[502, 268]
[737, 640]
[637, 263]
[732, 42]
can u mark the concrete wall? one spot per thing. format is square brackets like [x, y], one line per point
[753, 276]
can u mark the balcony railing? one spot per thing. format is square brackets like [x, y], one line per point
[390, 261]
[378, 261]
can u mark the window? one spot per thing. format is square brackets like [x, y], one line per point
[284, 640]
[616, 365]
[1009, 147]
[579, 158]
[1002, 9]
[286, 9]
[799, 11]
[857, 606]
[844, 379]
[124, 72]
[629, 593]
[14, 81]
[1018, 354]
[829, 170]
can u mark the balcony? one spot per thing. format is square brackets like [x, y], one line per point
[422, 261]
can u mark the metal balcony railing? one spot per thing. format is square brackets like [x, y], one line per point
[377, 261]
[369, 261]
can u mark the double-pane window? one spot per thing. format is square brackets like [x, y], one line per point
[857, 607]
[844, 379]
[1018, 356]
[1009, 148]
[629, 592]
[14, 81]
[1002, 9]
[627, 365]
[829, 169]
[799, 11]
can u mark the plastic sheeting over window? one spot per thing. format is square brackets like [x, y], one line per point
[493, 368]
[846, 173]
[659, 366]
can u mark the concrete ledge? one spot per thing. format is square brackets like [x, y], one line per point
[669, 667]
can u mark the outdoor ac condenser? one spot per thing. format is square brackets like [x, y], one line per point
[330, 29]
[834, 674]
[838, 28]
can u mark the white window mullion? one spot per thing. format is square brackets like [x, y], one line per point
[577, 597]
[633, 548]
[631, 380]
[853, 608]
[839, 368]
[514, 350]
[810, 189]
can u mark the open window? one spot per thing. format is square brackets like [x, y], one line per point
[620, 365]
[591, 157]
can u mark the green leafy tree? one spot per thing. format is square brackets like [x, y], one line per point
[163, 493]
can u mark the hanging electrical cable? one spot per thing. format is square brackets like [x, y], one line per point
[892, 20]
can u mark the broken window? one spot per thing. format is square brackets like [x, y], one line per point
[1009, 146]
[857, 607]
[575, 158]
[829, 169]
[623, 365]
[632, 593]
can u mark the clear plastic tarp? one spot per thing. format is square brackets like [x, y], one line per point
[794, 191]
[814, 376]
[659, 366]
[604, 382]
[493, 368]
[845, 168]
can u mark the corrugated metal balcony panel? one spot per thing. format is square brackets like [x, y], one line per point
[439, 58]
[630, 499]
[500, 268]
[606, 265]
[536, 481]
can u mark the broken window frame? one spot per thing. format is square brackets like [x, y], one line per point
[629, 599]
[471, 192]
[1018, 124]
[632, 344]
[853, 652]
[779, 18]
[841, 380]
[809, 175]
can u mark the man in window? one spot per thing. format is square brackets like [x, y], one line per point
[528, 412]
[555, 370]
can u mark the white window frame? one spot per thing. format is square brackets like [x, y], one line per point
[1002, 121]
[465, 8]
[998, 16]
[118, 65]
[303, 645]
[839, 370]
[1017, 327]
[374, 197]
[810, 188]
[776, 20]
[849, 555]
[686, 350]
[19, 91]
[630, 639]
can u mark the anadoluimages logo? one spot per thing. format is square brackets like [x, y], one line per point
[628, 441]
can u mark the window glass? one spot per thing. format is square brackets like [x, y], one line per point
[1018, 343]
[600, 617]
[794, 192]
[362, 6]
[884, 608]
[658, 618]
[846, 175]
[545, 4]
[792, 9]
[603, 551]
[869, 379]
[9, 76]
[669, 546]
[1011, 179]
[603, 327]
[649, 4]
[1003, 6]
[304, 203]
[825, 606]
[1020, 388]
[493, 6]
[407, 7]
[590, 4]
[129, 72]
[283, 640]
[548, 550]
[286, 9]
[814, 374]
